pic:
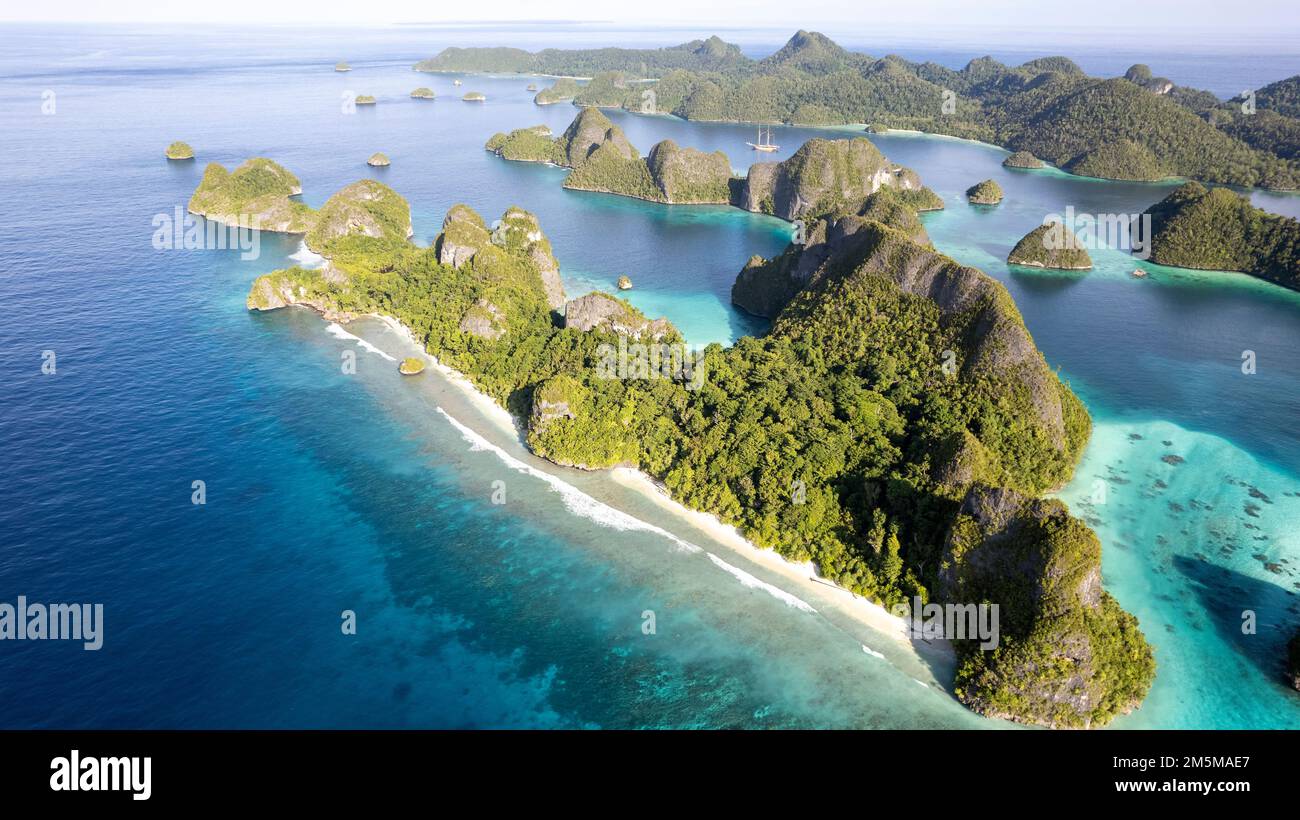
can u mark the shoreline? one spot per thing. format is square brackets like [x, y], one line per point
[799, 580]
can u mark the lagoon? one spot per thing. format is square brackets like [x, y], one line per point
[329, 491]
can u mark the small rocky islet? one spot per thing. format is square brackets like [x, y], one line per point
[987, 192]
[1051, 246]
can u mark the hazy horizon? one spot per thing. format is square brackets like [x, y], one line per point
[1263, 16]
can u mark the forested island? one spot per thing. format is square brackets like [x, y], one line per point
[1134, 127]
[259, 194]
[987, 192]
[1218, 229]
[899, 387]
[1050, 246]
[822, 175]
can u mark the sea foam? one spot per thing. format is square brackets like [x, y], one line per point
[581, 504]
[336, 330]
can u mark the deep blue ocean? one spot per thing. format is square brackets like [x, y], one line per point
[368, 492]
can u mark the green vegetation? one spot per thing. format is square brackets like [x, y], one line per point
[987, 192]
[528, 145]
[1220, 230]
[1281, 97]
[562, 90]
[1123, 159]
[258, 191]
[849, 394]
[688, 175]
[1022, 159]
[180, 150]
[365, 207]
[1134, 127]
[378, 159]
[365, 99]
[824, 177]
[1050, 246]
[410, 366]
[1069, 655]
[608, 170]
[699, 55]
[423, 93]
[603, 160]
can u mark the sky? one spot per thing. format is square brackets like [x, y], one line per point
[1155, 15]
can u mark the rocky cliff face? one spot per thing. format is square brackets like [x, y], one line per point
[590, 130]
[297, 286]
[763, 287]
[520, 232]
[516, 235]
[604, 312]
[1068, 655]
[686, 175]
[463, 234]
[823, 177]
[365, 207]
[997, 343]
[484, 320]
[257, 193]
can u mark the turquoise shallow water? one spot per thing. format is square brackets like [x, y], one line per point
[330, 492]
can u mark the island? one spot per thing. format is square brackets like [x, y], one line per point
[411, 366]
[365, 99]
[531, 87]
[256, 194]
[535, 144]
[378, 160]
[423, 93]
[1050, 246]
[987, 192]
[180, 150]
[342, 66]
[624, 283]
[821, 173]
[926, 472]
[1133, 127]
[1022, 159]
[562, 90]
[1218, 229]
[474, 96]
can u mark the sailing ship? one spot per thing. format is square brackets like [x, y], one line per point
[764, 144]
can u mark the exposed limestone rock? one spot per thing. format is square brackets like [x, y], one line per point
[605, 312]
[365, 207]
[823, 176]
[687, 175]
[484, 320]
[590, 130]
[463, 234]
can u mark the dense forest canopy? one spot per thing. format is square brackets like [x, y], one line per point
[1138, 127]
